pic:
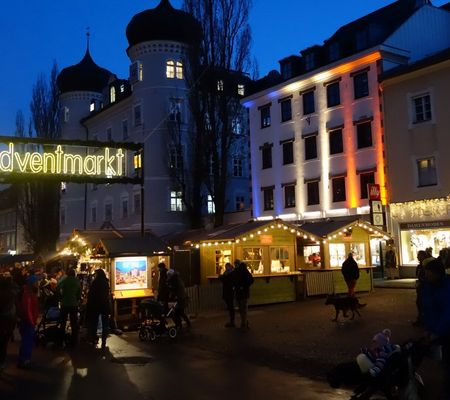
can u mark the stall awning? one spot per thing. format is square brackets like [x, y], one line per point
[147, 245]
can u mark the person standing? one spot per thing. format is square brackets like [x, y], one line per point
[391, 262]
[243, 279]
[98, 306]
[28, 314]
[178, 293]
[228, 292]
[70, 290]
[435, 299]
[8, 293]
[424, 258]
[350, 271]
[163, 288]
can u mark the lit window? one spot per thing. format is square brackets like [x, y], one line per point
[211, 205]
[421, 108]
[179, 70]
[112, 94]
[237, 167]
[265, 116]
[240, 203]
[170, 69]
[279, 259]
[176, 201]
[63, 187]
[220, 85]
[427, 172]
[92, 106]
[241, 90]
[122, 88]
[236, 126]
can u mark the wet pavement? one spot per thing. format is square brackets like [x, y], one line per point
[284, 355]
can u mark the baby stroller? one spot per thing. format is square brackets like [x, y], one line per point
[48, 330]
[155, 322]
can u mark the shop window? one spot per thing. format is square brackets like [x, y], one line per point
[336, 142]
[289, 196]
[337, 254]
[279, 260]
[313, 193]
[311, 256]
[268, 199]
[426, 168]
[333, 94]
[310, 147]
[364, 134]
[222, 257]
[338, 185]
[421, 108]
[253, 256]
[360, 85]
[265, 116]
[308, 102]
[364, 180]
[288, 153]
[359, 253]
[286, 110]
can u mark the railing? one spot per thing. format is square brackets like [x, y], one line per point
[204, 298]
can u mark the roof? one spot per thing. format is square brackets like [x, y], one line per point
[324, 228]
[147, 245]
[163, 23]
[446, 6]
[84, 76]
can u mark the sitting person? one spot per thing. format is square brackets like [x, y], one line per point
[372, 360]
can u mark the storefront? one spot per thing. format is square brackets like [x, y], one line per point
[421, 225]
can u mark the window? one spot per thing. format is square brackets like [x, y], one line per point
[240, 203]
[309, 61]
[137, 115]
[336, 142]
[334, 51]
[333, 94]
[170, 69]
[265, 116]
[268, 199]
[310, 147]
[286, 110]
[361, 39]
[337, 254]
[125, 129]
[112, 94]
[62, 216]
[289, 196]
[175, 107]
[236, 126]
[220, 85]
[122, 88]
[109, 134]
[252, 256]
[241, 90]
[427, 172]
[364, 180]
[266, 156]
[210, 205]
[338, 185]
[94, 214]
[361, 85]
[179, 70]
[137, 203]
[108, 212]
[222, 257]
[288, 153]
[421, 108]
[313, 193]
[124, 207]
[286, 70]
[92, 106]
[66, 114]
[364, 134]
[237, 167]
[176, 201]
[308, 102]
[176, 158]
[279, 259]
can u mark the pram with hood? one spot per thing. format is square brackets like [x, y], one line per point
[155, 321]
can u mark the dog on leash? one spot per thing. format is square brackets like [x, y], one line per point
[344, 304]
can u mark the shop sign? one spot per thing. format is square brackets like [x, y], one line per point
[374, 191]
[266, 239]
[425, 225]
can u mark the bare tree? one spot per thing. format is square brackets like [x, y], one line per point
[223, 56]
[39, 201]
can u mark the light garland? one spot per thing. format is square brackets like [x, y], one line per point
[419, 209]
[316, 239]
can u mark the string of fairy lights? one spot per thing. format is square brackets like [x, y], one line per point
[299, 232]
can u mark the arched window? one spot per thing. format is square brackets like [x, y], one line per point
[170, 69]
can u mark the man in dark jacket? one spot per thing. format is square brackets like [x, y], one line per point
[243, 279]
[228, 292]
[350, 271]
[163, 287]
[70, 290]
[177, 292]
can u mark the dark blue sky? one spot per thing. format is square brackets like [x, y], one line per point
[34, 33]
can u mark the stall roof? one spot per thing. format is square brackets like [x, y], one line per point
[325, 228]
[147, 245]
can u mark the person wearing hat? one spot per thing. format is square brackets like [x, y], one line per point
[435, 305]
[28, 314]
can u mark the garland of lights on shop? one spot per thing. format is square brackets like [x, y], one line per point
[433, 208]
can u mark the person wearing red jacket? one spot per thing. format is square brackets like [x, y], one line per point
[28, 314]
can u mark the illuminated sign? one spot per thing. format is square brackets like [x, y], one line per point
[108, 163]
[70, 160]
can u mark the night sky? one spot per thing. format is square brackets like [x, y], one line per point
[34, 33]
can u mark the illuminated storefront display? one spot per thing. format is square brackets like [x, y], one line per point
[130, 273]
